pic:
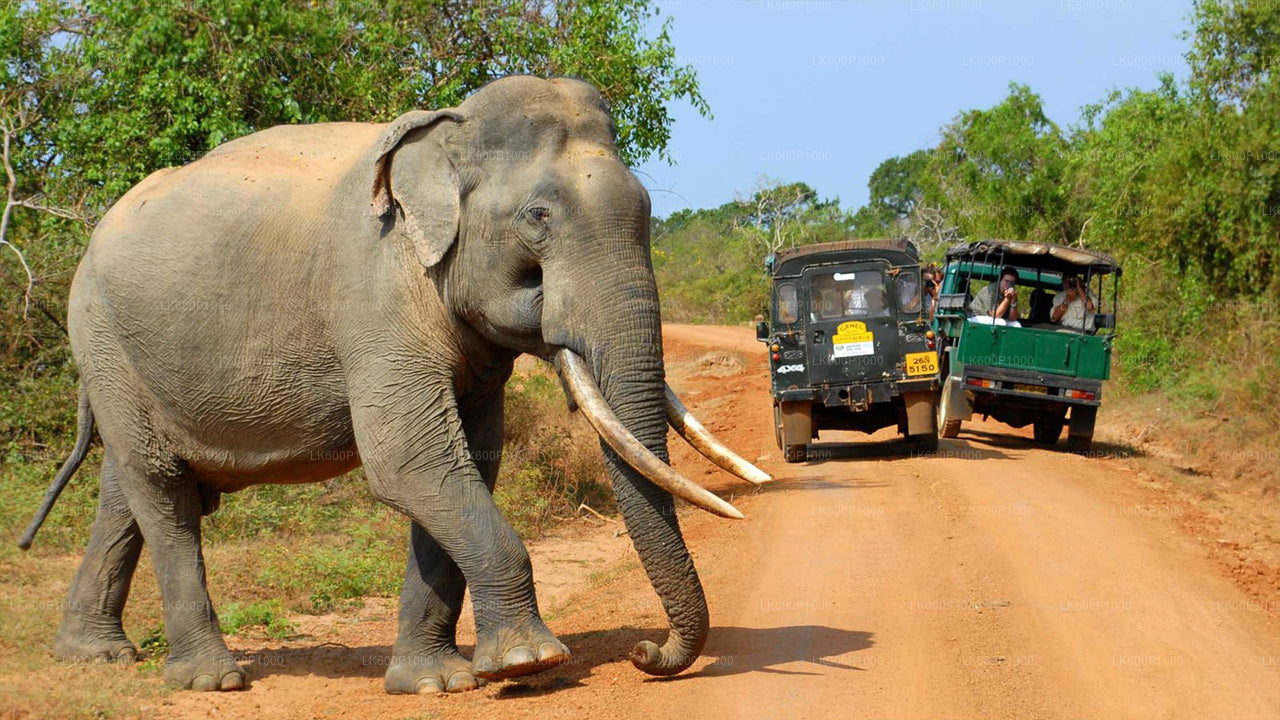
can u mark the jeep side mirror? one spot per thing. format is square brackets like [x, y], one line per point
[762, 331]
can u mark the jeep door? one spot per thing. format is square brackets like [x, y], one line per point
[851, 326]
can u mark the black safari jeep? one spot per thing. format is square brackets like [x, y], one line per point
[849, 346]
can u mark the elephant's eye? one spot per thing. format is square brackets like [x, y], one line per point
[538, 214]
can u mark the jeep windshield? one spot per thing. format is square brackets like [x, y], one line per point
[850, 294]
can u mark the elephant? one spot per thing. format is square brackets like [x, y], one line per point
[312, 298]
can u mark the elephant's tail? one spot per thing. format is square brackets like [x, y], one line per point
[84, 434]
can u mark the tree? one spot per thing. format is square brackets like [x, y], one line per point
[779, 215]
[895, 189]
[160, 83]
[1002, 172]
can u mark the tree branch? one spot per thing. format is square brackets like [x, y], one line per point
[11, 182]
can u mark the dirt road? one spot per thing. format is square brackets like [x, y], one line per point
[992, 579]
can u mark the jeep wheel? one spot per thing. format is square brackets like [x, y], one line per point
[1079, 443]
[1047, 431]
[926, 443]
[1080, 428]
[947, 427]
[795, 453]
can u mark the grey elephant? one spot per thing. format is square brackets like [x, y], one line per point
[307, 299]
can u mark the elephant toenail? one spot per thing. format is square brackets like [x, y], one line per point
[203, 683]
[484, 664]
[461, 681]
[233, 681]
[552, 652]
[518, 656]
[429, 686]
[127, 656]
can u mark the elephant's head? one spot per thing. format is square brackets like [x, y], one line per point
[538, 235]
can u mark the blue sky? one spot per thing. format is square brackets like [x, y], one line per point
[823, 91]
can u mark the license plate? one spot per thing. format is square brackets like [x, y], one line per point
[1038, 389]
[925, 363]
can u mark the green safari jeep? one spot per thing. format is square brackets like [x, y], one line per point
[1018, 346]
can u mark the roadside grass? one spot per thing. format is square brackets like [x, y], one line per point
[1203, 373]
[238, 619]
[273, 552]
[552, 461]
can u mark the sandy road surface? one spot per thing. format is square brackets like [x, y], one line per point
[992, 579]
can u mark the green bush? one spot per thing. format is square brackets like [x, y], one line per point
[266, 614]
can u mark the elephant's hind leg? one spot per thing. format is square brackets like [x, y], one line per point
[167, 506]
[91, 629]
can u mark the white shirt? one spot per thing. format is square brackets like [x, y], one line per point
[1076, 317]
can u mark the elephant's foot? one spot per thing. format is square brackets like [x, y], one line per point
[515, 652]
[205, 673]
[81, 639]
[426, 673]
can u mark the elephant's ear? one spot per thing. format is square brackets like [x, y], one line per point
[425, 203]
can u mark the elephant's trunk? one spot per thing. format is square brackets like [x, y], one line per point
[627, 364]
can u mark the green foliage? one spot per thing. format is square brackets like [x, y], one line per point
[160, 83]
[154, 643]
[1187, 175]
[1002, 172]
[236, 618]
[267, 510]
[707, 269]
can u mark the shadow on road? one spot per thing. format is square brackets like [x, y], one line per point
[330, 660]
[740, 650]
[733, 650]
[982, 442]
[787, 481]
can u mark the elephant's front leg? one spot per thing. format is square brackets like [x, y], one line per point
[426, 658]
[417, 459]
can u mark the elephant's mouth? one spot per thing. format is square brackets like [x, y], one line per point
[583, 391]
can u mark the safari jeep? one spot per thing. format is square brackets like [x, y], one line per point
[1038, 370]
[849, 347]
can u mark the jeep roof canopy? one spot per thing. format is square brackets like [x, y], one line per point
[1048, 256]
[899, 252]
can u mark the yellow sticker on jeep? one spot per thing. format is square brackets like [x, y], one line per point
[924, 363]
[851, 340]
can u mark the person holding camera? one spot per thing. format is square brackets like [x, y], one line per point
[932, 277]
[999, 300]
[1074, 306]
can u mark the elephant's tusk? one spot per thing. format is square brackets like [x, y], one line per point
[704, 442]
[587, 394]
